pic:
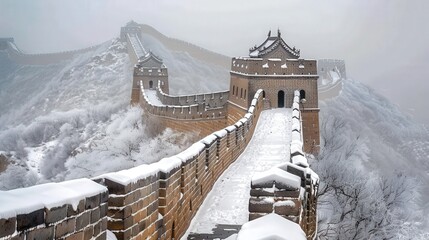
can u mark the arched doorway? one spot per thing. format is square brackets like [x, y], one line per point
[281, 99]
[150, 84]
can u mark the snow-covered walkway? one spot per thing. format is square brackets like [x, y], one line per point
[153, 98]
[227, 203]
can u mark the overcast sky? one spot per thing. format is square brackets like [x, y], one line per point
[384, 42]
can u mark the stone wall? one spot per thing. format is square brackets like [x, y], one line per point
[189, 112]
[211, 100]
[259, 66]
[310, 125]
[155, 201]
[290, 189]
[158, 201]
[44, 58]
[74, 209]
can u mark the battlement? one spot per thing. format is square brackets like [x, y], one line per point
[192, 111]
[211, 100]
[290, 189]
[274, 67]
[155, 201]
[73, 209]
[131, 28]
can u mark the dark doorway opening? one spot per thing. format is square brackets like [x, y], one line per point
[150, 84]
[281, 99]
[301, 94]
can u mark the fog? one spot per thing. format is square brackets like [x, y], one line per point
[383, 42]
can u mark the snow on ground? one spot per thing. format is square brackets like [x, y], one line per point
[271, 226]
[227, 203]
[153, 98]
[35, 156]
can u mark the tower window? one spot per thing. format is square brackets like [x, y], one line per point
[245, 91]
[241, 92]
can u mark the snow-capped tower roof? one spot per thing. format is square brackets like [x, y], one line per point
[132, 23]
[151, 60]
[274, 46]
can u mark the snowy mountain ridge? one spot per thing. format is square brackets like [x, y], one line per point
[71, 120]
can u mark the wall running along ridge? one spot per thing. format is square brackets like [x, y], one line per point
[155, 201]
[43, 58]
[196, 117]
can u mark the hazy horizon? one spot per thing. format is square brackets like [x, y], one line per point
[384, 43]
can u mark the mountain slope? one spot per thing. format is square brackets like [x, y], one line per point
[373, 169]
[191, 69]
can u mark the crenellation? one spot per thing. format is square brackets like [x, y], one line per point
[159, 200]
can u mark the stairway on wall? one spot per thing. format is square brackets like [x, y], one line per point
[226, 206]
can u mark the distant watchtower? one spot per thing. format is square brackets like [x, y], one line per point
[4, 43]
[149, 70]
[131, 28]
[276, 68]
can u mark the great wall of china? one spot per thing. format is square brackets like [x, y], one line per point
[159, 200]
[18, 56]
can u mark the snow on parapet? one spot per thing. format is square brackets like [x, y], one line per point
[296, 125]
[209, 139]
[221, 133]
[193, 151]
[279, 178]
[300, 161]
[295, 113]
[49, 195]
[253, 103]
[131, 175]
[296, 148]
[165, 165]
[295, 105]
[296, 93]
[231, 128]
[271, 226]
[296, 136]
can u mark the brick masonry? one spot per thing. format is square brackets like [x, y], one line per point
[59, 222]
[162, 205]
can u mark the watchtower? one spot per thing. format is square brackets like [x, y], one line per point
[4, 43]
[149, 70]
[276, 68]
[131, 28]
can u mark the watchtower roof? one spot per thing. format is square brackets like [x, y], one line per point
[271, 44]
[151, 60]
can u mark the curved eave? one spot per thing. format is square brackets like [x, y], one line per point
[260, 51]
[151, 56]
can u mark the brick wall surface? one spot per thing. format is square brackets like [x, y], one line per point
[85, 220]
[161, 205]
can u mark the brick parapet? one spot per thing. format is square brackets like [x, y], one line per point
[158, 201]
[274, 66]
[298, 202]
[189, 112]
[74, 209]
[210, 100]
[155, 201]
